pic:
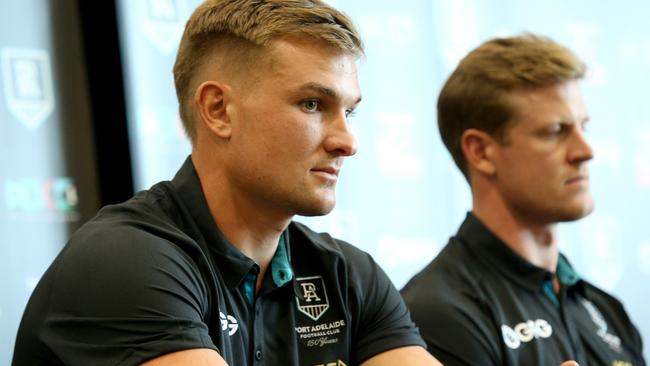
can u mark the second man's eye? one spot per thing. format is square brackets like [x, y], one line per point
[558, 129]
[310, 105]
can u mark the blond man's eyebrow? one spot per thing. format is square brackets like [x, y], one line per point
[324, 90]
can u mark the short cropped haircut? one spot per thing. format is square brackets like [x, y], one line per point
[476, 93]
[239, 29]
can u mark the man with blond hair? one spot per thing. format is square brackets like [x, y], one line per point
[209, 268]
[500, 293]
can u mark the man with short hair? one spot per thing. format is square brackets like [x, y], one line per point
[209, 269]
[500, 293]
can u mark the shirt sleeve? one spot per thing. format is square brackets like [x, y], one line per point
[456, 327]
[123, 295]
[381, 321]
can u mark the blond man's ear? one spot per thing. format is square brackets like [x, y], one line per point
[211, 101]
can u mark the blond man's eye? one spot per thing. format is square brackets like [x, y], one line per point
[310, 105]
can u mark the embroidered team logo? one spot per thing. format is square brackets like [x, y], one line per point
[27, 80]
[336, 363]
[163, 22]
[313, 300]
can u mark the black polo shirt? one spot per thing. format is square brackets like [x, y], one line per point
[480, 303]
[154, 275]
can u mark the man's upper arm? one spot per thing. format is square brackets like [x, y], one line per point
[403, 356]
[190, 357]
[135, 294]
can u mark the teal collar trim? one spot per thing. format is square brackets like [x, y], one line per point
[548, 289]
[249, 286]
[565, 274]
[280, 266]
[280, 270]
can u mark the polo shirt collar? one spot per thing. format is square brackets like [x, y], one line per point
[234, 264]
[565, 272]
[488, 247]
[281, 270]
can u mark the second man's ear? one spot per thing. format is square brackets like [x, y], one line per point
[478, 147]
[210, 100]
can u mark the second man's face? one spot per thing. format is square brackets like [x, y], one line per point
[542, 166]
[290, 127]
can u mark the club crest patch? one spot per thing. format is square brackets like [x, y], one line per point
[312, 296]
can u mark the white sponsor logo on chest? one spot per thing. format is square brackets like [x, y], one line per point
[525, 332]
[228, 323]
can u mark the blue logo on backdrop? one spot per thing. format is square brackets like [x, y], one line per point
[27, 81]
